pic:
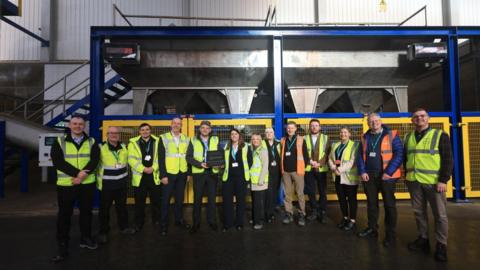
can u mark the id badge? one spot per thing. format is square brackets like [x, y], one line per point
[148, 157]
[118, 166]
[338, 162]
[274, 163]
[234, 164]
[372, 154]
[287, 154]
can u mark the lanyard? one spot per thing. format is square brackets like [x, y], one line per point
[340, 149]
[374, 145]
[205, 149]
[115, 155]
[234, 153]
[289, 145]
[273, 150]
[147, 146]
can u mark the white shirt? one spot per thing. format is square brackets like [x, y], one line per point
[314, 139]
[176, 139]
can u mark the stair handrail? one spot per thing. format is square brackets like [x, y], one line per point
[76, 89]
[24, 105]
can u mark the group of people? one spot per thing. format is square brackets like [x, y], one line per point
[160, 168]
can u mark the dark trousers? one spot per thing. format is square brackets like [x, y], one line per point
[204, 182]
[147, 187]
[234, 186]
[176, 188]
[387, 188]
[312, 180]
[107, 197]
[258, 201]
[271, 196]
[66, 197]
[347, 197]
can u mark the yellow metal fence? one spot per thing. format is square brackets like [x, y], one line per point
[471, 155]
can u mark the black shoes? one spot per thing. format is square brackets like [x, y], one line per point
[62, 253]
[287, 219]
[368, 232]
[342, 223]
[194, 228]
[128, 231]
[441, 252]
[301, 220]
[389, 242]
[163, 230]
[88, 243]
[239, 228]
[322, 217]
[183, 225]
[349, 226]
[420, 244]
[313, 215]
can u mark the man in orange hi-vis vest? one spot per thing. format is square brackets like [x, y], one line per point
[294, 156]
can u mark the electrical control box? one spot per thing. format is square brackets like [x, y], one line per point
[45, 142]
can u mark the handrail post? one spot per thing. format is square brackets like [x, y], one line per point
[64, 93]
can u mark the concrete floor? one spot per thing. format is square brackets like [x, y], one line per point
[27, 241]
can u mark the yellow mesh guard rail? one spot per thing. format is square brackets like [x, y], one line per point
[358, 126]
[471, 155]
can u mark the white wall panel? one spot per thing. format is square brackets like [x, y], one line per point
[16, 45]
[465, 12]
[76, 17]
[365, 11]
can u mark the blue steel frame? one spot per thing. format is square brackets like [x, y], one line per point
[277, 34]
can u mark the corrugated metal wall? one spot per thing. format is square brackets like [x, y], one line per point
[75, 18]
[465, 12]
[365, 11]
[16, 45]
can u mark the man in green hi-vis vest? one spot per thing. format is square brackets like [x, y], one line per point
[75, 156]
[428, 165]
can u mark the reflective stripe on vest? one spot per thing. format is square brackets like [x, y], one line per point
[110, 168]
[198, 153]
[135, 161]
[423, 158]
[175, 160]
[347, 155]
[386, 152]
[256, 168]
[246, 170]
[78, 158]
[322, 147]
[300, 162]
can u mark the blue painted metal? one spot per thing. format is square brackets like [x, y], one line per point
[45, 43]
[25, 156]
[278, 95]
[139, 117]
[453, 80]
[232, 116]
[465, 31]
[97, 81]
[59, 118]
[470, 114]
[2, 159]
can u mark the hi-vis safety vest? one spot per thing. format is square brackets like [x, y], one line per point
[198, 153]
[386, 152]
[323, 141]
[175, 160]
[256, 168]
[135, 161]
[111, 169]
[244, 160]
[348, 154]
[300, 161]
[423, 158]
[77, 158]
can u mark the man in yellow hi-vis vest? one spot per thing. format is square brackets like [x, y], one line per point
[428, 164]
[204, 175]
[75, 157]
[173, 173]
[143, 162]
[112, 175]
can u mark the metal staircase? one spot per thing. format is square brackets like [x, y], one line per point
[60, 109]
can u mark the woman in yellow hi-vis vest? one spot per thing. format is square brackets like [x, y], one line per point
[345, 174]
[75, 156]
[259, 179]
[238, 159]
[173, 173]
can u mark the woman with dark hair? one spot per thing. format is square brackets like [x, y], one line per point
[238, 159]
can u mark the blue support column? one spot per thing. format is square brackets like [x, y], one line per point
[278, 85]
[24, 170]
[2, 159]
[97, 81]
[452, 103]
